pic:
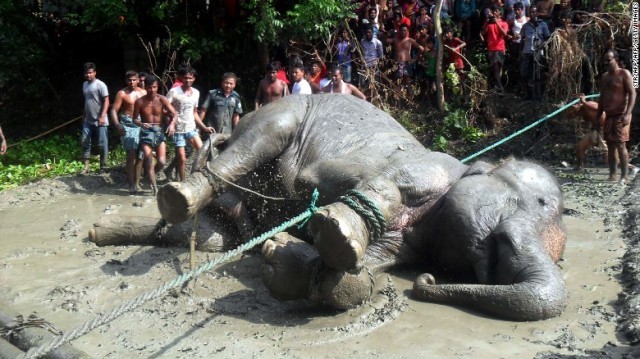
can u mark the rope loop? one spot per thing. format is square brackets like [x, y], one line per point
[365, 207]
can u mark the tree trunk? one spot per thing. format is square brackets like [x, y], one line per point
[440, 50]
[116, 230]
[211, 236]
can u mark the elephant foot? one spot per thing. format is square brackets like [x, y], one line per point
[340, 235]
[293, 270]
[179, 201]
[290, 266]
[423, 286]
[345, 290]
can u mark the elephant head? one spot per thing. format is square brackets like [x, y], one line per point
[504, 224]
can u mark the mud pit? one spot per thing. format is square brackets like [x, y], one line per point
[47, 265]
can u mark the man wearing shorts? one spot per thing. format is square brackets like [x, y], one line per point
[148, 112]
[617, 99]
[129, 132]
[184, 99]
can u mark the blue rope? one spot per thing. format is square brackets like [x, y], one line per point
[371, 214]
[490, 147]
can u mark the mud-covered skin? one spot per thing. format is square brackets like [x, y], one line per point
[491, 221]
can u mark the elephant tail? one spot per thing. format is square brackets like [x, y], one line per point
[537, 297]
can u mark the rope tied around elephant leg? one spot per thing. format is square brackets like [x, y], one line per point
[365, 207]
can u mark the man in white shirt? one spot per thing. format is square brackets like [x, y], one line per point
[300, 85]
[184, 99]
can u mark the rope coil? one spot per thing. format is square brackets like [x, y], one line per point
[367, 209]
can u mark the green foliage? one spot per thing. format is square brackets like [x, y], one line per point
[51, 157]
[440, 143]
[313, 19]
[478, 56]
[307, 19]
[97, 15]
[409, 121]
[21, 40]
[452, 79]
[455, 126]
[266, 20]
[617, 6]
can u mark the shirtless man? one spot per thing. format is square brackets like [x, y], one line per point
[403, 44]
[545, 12]
[588, 111]
[270, 88]
[129, 132]
[617, 98]
[337, 85]
[148, 114]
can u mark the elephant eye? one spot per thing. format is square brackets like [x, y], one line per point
[542, 202]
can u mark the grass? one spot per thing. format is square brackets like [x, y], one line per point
[51, 157]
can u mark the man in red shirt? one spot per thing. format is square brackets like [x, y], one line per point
[399, 19]
[453, 47]
[496, 32]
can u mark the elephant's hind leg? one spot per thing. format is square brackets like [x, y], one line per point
[289, 267]
[293, 270]
[340, 234]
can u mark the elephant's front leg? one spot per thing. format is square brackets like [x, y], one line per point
[293, 270]
[342, 231]
[259, 142]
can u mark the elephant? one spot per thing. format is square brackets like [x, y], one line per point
[386, 201]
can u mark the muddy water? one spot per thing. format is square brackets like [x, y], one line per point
[47, 265]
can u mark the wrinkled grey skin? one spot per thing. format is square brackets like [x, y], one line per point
[501, 224]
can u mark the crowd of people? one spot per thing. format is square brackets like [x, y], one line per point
[401, 30]
[145, 119]
[397, 37]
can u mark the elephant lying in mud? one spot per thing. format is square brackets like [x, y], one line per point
[501, 224]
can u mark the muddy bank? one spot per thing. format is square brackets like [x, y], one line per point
[47, 265]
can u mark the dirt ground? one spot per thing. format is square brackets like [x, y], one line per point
[48, 265]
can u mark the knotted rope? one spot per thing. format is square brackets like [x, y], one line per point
[158, 292]
[357, 201]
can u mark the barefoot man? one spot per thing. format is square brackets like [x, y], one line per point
[588, 111]
[403, 44]
[129, 132]
[270, 88]
[617, 98]
[150, 108]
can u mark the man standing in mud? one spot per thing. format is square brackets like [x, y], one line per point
[129, 132]
[96, 103]
[617, 99]
[148, 114]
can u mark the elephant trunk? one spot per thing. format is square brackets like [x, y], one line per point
[541, 295]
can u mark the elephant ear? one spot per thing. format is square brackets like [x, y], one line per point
[524, 282]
